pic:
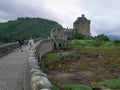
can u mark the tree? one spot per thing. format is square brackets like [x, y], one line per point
[36, 27]
[101, 37]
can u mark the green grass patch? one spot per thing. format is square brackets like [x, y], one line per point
[113, 84]
[71, 87]
[93, 44]
[80, 43]
[84, 42]
[51, 56]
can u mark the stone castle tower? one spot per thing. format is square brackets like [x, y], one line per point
[82, 25]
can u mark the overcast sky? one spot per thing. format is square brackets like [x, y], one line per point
[104, 14]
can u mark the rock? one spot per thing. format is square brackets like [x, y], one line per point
[68, 55]
[71, 70]
[38, 74]
[39, 82]
[33, 70]
[45, 89]
[99, 56]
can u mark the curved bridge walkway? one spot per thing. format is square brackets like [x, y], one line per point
[12, 70]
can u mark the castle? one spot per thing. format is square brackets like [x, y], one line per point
[81, 25]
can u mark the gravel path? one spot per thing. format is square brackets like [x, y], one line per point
[13, 70]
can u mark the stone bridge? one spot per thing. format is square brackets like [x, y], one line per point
[21, 70]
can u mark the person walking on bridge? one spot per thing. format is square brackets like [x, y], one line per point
[30, 43]
[21, 42]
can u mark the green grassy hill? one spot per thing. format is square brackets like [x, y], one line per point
[26, 27]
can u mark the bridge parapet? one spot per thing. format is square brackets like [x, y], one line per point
[7, 48]
[38, 79]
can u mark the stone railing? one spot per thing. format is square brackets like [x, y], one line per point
[7, 48]
[38, 79]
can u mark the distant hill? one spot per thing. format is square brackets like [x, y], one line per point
[26, 27]
[113, 37]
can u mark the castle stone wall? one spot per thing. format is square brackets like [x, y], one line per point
[81, 25]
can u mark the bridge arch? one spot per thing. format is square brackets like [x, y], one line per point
[55, 46]
[68, 38]
[60, 46]
[38, 58]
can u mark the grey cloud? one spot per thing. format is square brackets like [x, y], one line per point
[16, 8]
[104, 15]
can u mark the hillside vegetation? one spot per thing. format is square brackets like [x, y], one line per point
[26, 27]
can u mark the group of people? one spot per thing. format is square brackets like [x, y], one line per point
[30, 43]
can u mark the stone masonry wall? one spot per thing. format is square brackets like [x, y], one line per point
[81, 25]
[38, 79]
[7, 48]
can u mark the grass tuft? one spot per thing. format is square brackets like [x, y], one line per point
[70, 87]
[113, 84]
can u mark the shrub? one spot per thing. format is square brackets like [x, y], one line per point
[116, 41]
[97, 43]
[81, 36]
[101, 37]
